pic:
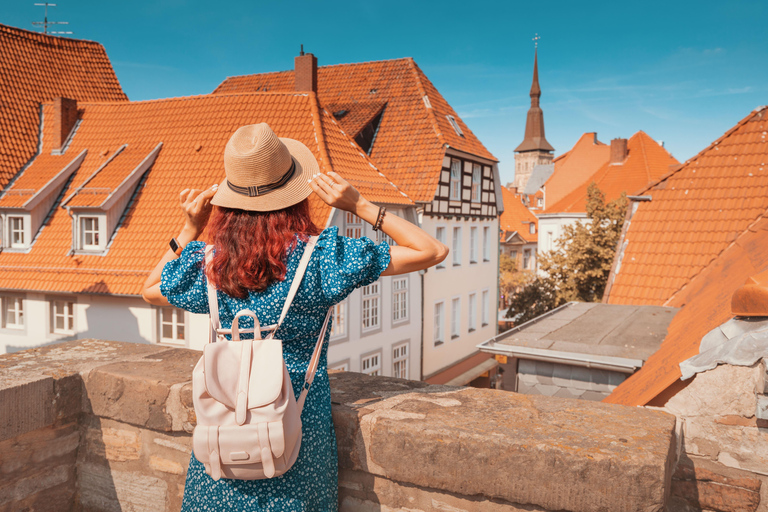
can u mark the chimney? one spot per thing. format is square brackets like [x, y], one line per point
[305, 72]
[64, 118]
[618, 151]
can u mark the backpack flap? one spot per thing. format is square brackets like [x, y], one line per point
[222, 361]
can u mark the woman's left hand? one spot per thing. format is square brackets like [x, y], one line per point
[196, 205]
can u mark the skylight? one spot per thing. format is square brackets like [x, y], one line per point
[455, 125]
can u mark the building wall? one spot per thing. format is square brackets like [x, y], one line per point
[551, 228]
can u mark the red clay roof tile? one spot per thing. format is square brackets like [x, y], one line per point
[575, 167]
[37, 68]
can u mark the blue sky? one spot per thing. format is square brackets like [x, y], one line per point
[684, 72]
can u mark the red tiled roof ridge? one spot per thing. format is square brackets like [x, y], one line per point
[45, 38]
[275, 73]
[373, 165]
[695, 157]
[184, 98]
[430, 111]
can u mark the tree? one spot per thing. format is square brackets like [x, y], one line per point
[511, 280]
[578, 269]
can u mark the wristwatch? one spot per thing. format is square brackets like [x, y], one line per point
[175, 247]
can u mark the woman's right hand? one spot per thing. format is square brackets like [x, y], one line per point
[337, 192]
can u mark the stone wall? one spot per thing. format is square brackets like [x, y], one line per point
[101, 426]
[723, 441]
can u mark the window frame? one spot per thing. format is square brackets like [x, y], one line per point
[84, 232]
[19, 312]
[455, 125]
[12, 231]
[374, 300]
[454, 183]
[344, 335]
[455, 317]
[531, 228]
[485, 307]
[442, 240]
[175, 323]
[404, 292]
[438, 323]
[67, 315]
[355, 224]
[486, 244]
[526, 258]
[456, 246]
[477, 184]
[472, 312]
[472, 244]
[340, 365]
[403, 357]
[377, 368]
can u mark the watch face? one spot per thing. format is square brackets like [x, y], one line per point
[174, 245]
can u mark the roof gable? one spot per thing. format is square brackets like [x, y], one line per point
[36, 68]
[516, 217]
[576, 167]
[414, 130]
[696, 212]
[646, 162]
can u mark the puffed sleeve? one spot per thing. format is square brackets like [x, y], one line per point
[182, 281]
[348, 263]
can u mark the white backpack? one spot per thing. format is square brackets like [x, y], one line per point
[248, 420]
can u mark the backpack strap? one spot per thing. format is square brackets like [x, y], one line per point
[213, 300]
[314, 361]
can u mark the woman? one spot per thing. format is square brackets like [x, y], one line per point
[259, 229]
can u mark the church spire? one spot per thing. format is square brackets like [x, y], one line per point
[534, 125]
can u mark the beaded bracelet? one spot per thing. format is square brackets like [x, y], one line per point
[379, 218]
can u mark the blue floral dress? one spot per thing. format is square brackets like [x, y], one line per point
[338, 266]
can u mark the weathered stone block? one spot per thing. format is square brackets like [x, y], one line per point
[701, 484]
[115, 445]
[165, 465]
[102, 490]
[25, 405]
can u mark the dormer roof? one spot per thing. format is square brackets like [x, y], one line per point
[414, 131]
[36, 68]
[40, 179]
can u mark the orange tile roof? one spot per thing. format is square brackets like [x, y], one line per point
[193, 131]
[646, 162]
[696, 213]
[412, 137]
[576, 167]
[706, 304]
[516, 217]
[37, 68]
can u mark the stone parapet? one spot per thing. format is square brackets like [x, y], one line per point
[106, 426]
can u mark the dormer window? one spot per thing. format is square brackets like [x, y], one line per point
[89, 230]
[16, 232]
[532, 228]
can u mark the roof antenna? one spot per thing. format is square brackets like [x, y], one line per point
[302, 51]
[45, 23]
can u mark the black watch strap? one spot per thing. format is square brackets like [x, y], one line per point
[175, 247]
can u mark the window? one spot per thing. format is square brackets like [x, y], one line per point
[353, 226]
[400, 299]
[13, 312]
[371, 364]
[371, 306]
[16, 229]
[526, 258]
[472, 316]
[400, 361]
[473, 244]
[477, 180]
[486, 243]
[339, 320]
[455, 125]
[383, 237]
[172, 326]
[440, 237]
[343, 366]
[439, 336]
[456, 246]
[455, 180]
[485, 305]
[539, 202]
[89, 228]
[455, 317]
[532, 228]
[62, 317]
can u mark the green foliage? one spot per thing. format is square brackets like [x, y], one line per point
[580, 265]
[578, 269]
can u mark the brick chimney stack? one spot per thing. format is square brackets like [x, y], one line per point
[305, 72]
[64, 118]
[618, 151]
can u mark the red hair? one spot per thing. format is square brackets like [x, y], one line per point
[251, 247]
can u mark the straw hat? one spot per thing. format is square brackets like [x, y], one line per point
[264, 172]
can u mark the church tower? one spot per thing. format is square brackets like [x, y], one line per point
[534, 149]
